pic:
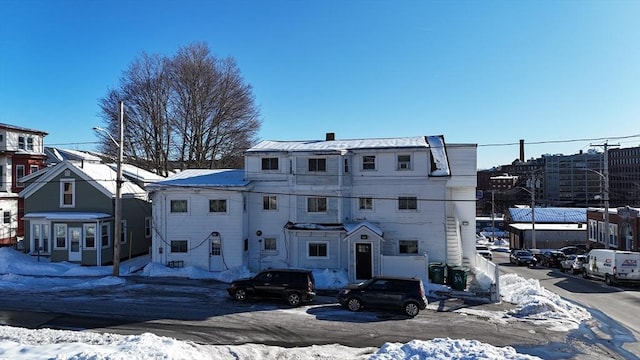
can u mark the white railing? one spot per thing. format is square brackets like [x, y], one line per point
[487, 268]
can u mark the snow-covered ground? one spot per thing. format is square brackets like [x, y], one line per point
[21, 272]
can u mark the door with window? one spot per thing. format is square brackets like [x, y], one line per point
[364, 262]
[215, 254]
[75, 244]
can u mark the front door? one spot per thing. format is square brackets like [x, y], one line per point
[215, 254]
[75, 244]
[363, 261]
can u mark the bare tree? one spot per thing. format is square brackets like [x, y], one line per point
[190, 111]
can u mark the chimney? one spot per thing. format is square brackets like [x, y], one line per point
[521, 150]
[330, 136]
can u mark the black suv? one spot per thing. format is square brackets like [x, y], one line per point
[384, 292]
[295, 286]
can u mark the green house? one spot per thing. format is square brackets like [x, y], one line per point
[69, 214]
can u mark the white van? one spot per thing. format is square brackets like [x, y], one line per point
[613, 266]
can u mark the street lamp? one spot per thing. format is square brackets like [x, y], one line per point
[118, 205]
[605, 178]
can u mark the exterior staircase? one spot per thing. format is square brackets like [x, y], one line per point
[454, 243]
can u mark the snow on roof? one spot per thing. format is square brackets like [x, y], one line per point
[104, 176]
[204, 177]
[352, 227]
[557, 227]
[439, 159]
[59, 155]
[59, 216]
[549, 215]
[337, 145]
[137, 173]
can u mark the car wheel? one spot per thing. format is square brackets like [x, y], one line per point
[293, 299]
[411, 309]
[608, 280]
[354, 304]
[240, 295]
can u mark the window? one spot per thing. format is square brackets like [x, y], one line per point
[270, 244]
[269, 163]
[269, 202]
[368, 162]
[30, 144]
[89, 236]
[60, 231]
[218, 206]
[147, 227]
[123, 231]
[404, 162]
[37, 242]
[178, 206]
[346, 166]
[19, 175]
[317, 164]
[593, 230]
[6, 216]
[21, 142]
[67, 192]
[318, 250]
[104, 235]
[316, 204]
[366, 203]
[32, 169]
[179, 246]
[216, 246]
[407, 203]
[408, 246]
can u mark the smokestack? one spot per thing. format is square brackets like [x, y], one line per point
[330, 136]
[522, 150]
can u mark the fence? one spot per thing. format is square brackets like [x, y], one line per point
[489, 269]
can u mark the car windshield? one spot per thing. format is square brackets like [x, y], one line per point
[523, 253]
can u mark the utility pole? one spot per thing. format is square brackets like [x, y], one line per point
[118, 213]
[605, 195]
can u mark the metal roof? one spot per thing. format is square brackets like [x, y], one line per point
[549, 215]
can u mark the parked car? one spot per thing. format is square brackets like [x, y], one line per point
[567, 263]
[291, 285]
[384, 292]
[521, 257]
[578, 264]
[484, 251]
[552, 259]
[572, 250]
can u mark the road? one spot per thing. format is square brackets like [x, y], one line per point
[614, 308]
[201, 311]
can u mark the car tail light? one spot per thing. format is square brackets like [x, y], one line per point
[422, 290]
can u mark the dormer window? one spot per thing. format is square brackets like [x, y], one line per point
[404, 162]
[368, 162]
[21, 142]
[30, 144]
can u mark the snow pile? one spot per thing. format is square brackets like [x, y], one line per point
[18, 343]
[537, 303]
[446, 349]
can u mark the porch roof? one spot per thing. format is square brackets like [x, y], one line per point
[66, 216]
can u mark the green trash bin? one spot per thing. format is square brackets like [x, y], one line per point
[437, 273]
[457, 277]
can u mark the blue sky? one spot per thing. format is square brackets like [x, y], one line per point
[481, 72]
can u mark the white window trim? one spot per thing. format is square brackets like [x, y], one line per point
[375, 163]
[317, 159]
[406, 210]
[24, 173]
[148, 227]
[365, 197]
[123, 229]
[409, 254]
[399, 166]
[269, 196]
[270, 158]
[179, 253]
[264, 244]
[171, 213]
[95, 236]
[108, 226]
[309, 243]
[218, 213]
[73, 193]
[326, 200]
[55, 236]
